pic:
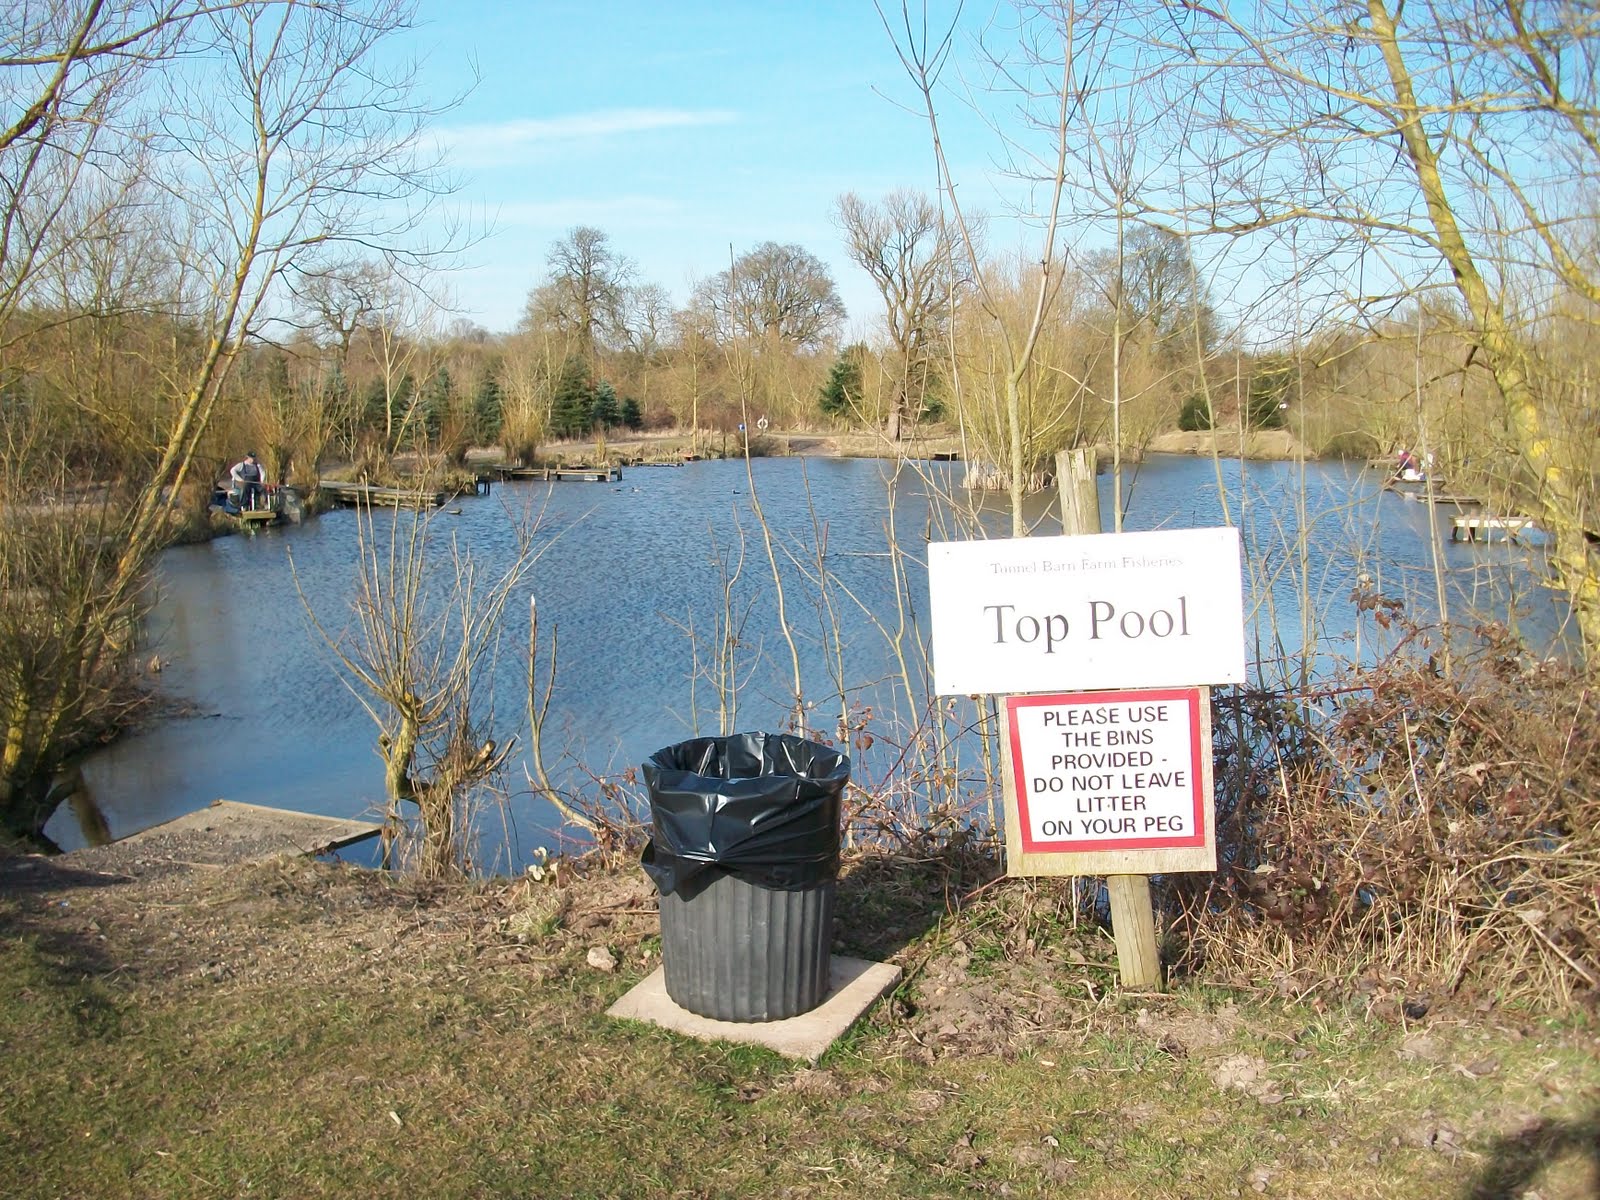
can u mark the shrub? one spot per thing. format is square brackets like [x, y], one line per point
[1195, 416]
[1352, 445]
[1266, 406]
[1404, 826]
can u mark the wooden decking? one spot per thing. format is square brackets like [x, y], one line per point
[1483, 529]
[1419, 492]
[347, 491]
[601, 474]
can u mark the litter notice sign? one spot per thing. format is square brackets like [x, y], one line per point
[1124, 776]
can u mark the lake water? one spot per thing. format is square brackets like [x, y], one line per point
[631, 565]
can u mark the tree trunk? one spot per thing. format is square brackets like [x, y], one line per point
[1560, 504]
[398, 755]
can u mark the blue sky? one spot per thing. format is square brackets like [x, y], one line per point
[681, 129]
[692, 130]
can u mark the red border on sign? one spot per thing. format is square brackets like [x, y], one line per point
[1078, 845]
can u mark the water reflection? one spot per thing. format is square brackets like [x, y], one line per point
[629, 567]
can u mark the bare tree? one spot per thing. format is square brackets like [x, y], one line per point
[70, 165]
[340, 295]
[777, 294]
[585, 293]
[533, 363]
[1154, 283]
[1158, 323]
[396, 335]
[646, 326]
[1053, 388]
[275, 133]
[904, 244]
[422, 646]
[1392, 144]
[693, 362]
[70, 148]
[308, 147]
[647, 318]
[1050, 95]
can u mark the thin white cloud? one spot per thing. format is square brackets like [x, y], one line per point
[497, 143]
[634, 210]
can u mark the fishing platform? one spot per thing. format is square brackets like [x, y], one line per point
[1470, 526]
[1419, 491]
[1483, 529]
[350, 492]
[224, 833]
[601, 474]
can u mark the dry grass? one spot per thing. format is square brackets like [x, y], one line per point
[301, 1030]
[1405, 829]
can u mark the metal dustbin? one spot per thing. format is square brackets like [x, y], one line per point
[745, 852]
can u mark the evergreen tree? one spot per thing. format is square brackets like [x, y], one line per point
[632, 417]
[488, 409]
[336, 388]
[841, 395]
[571, 406]
[278, 387]
[1195, 415]
[604, 414]
[436, 399]
[1269, 389]
[373, 401]
[403, 419]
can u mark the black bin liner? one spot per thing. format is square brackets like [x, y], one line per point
[761, 806]
[746, 855]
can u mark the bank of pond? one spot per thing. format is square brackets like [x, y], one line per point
[655, 589]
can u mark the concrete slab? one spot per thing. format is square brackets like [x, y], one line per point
[223, 833]
[259, 833]
[856, 985]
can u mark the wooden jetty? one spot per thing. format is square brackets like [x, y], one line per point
[1420, 492]
[347, 491]
[1482, 529]
[461, 483]
[601, 474]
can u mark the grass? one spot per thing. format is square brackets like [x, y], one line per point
[304, 1030]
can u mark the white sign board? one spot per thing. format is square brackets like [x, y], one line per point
[1093, 611]
[1116, 780]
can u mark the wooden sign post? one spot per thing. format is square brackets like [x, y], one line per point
[1133, 916]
